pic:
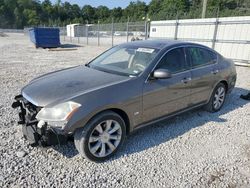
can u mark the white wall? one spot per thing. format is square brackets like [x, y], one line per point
[202, 31]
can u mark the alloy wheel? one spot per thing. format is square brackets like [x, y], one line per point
[219, 97]
[105, 138]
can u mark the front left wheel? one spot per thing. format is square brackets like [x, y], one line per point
[99, 139]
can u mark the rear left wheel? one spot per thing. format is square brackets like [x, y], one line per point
[217, 99]
[101, 137]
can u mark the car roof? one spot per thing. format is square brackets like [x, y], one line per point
[159, 44]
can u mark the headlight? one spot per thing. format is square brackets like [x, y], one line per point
[60, 112]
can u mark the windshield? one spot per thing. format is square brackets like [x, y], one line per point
[129, 61]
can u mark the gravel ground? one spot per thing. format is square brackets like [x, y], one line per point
[196, 149]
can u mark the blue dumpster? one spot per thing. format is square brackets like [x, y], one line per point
[45, 37]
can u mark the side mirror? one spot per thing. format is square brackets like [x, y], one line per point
[162, 74]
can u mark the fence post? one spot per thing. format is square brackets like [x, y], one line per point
[98, 33]
[70, 33]
[176, 29]
[127, 28]
[87, 32]
[215, 32]
[78, 33]
[145, 29]
[112, 32]
[64, 33]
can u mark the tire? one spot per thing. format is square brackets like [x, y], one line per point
[215, 97]
[101, 137]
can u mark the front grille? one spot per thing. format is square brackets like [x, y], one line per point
[30, 111]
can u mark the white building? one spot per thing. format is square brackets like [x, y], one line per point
[72, 30]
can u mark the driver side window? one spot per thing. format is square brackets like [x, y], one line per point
[174, 61]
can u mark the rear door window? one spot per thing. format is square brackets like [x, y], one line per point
[200, 57]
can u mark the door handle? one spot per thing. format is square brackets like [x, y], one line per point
[215, 71]
[186, 80]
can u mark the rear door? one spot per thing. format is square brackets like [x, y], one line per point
[204, 73]
[165, 96]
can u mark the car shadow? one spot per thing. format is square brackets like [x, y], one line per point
[158, 133]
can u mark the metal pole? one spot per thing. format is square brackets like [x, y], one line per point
[145, 29]
[176, 29]
[65, 33]
[215, 32]
[78, 38]
[70, 33]
[218, 13]
[87, 32]
[127, 28]
[98, 33]
[112, 32]
[204, 8]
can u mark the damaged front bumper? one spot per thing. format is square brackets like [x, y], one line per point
[36, 135]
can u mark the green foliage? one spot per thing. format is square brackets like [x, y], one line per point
[116, 13]
[135, 11]
[102, 12]
[89, 14]
[21, 13]
[31, 17]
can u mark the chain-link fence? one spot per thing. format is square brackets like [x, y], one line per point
[105, 34]
[11, 30]
[229, 36]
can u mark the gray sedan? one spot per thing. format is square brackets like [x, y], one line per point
[127, 87]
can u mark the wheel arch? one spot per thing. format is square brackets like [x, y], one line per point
[124, 116]
[225, 83]
[221, 81]
[118, 111]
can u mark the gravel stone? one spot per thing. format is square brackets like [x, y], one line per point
[196, 149]
[20, 154]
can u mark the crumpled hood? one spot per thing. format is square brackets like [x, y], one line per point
[67, 83]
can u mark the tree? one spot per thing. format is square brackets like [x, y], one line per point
[174, 8]
[31, 17]
[155, 7]
[135, 10]
[20, 13]
[102, 13]
[116, 13]
[47, 11]
[88, 13]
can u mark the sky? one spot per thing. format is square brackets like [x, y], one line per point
[96, 3]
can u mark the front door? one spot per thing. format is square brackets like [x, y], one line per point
[165, 96]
